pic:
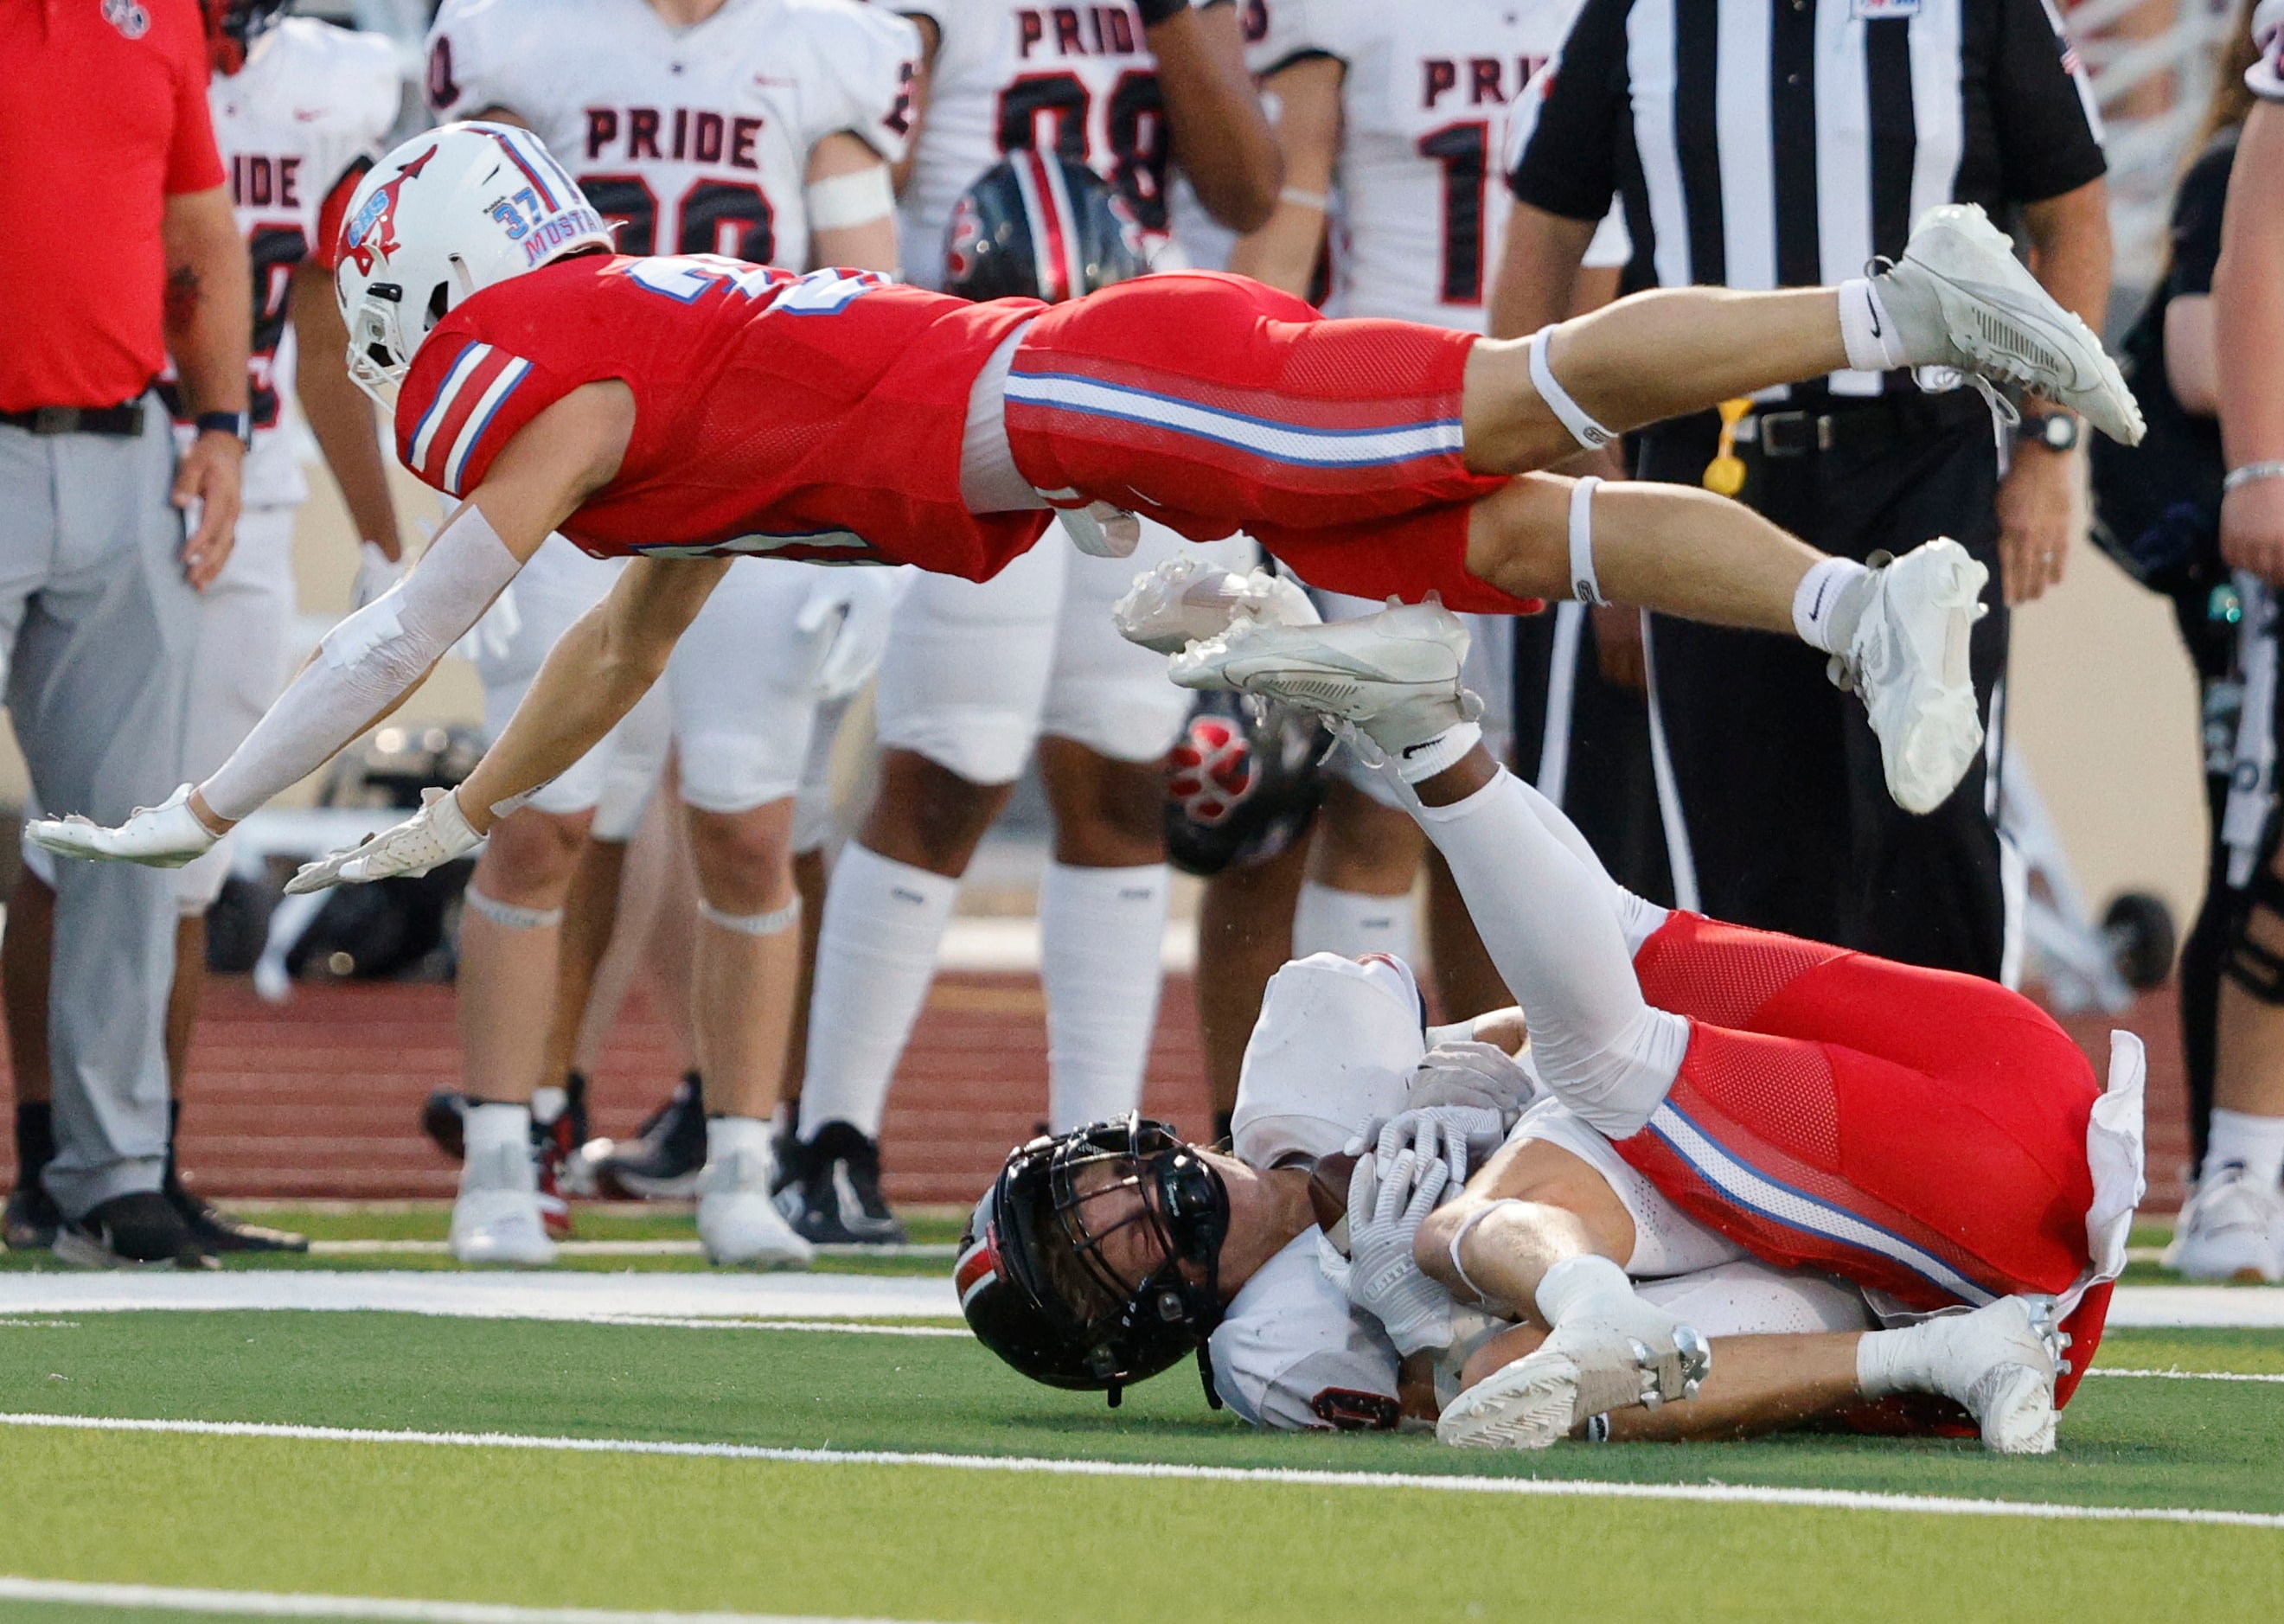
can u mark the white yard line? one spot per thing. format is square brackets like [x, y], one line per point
[1726, 1494]
[2189, 1375]
[264, 1604]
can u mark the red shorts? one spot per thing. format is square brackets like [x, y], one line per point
[1913, 1130]
[1213, 404]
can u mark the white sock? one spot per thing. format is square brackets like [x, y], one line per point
[875, 957]
[1353, 923]
[489, 1125]
[1418, 763]
[1549, 918]
[726, 1136]
[1829, 601]
[2254, 1142]
[1100, 936]
[1894, 1362]
[1574, 1282]
[1866, 330]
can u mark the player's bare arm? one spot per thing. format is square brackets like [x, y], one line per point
[368, 663]
[209, 323]
[338, 412]
[1283, 252]
[1222, 138]
[2248, 332]
[852, 206]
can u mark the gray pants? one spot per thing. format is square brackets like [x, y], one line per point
[98, 627]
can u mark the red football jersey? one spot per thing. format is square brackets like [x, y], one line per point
[816, 416]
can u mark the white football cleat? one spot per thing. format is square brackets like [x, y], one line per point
[497, 1217]
[1614, 1353]
[1960, 298]
[1908, 662]
[1187, 599]
[2000, 1362]
[738, 1222]
[1394, 674]
[2231, 1229]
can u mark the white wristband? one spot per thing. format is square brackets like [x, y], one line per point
[1585, 586]
[2250, 473]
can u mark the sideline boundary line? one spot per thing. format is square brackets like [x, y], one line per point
[1814, 1499]
[276, 1605]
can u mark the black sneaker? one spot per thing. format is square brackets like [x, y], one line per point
[664, 1160]
[840, 1190]
[215, 1231]
[28, 1222]
[444, 1119]
[140, 1230]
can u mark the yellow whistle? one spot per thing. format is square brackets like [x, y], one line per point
[1725, 475]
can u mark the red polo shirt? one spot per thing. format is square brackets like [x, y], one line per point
[105, 118]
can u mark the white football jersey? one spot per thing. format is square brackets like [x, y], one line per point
[1007, 77]
[690, 140]
[296, 127]
[1426, 104]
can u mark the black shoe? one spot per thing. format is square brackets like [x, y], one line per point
[28, 1222]
[840, 1192]
[212, 1230]
[788, 1166]
[444, 1119]
[140, 1230]
[664, 1160]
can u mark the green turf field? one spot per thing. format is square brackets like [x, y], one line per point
[828, 1535]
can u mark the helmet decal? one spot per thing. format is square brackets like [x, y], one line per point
[978, 1267]
[370, 233]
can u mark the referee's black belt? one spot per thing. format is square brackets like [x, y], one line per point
[124, 422]
[1777, 435]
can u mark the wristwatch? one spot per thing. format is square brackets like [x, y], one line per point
[2057, 431]
[237, 424]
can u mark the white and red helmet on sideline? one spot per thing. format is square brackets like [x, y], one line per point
[447, 215]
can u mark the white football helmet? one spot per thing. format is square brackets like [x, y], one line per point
[445, 215]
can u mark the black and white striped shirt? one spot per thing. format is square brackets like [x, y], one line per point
[1760, 143]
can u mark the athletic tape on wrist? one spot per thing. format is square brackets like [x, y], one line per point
[1585, 586]
[774, 923]
[508, 917]
[1301, 197]
[1584, 429]
[858, 197]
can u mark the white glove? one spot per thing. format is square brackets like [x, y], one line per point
[435, 834]
[1457, 1135]
[857, 615]
[1385, 1211]
[1480, 1075]
[376, 572]
[166, 836]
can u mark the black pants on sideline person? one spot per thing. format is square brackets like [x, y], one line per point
[1788, 821]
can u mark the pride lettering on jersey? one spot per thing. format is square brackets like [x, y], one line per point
[257, 181]
[1485, 80]
[1077, 31]
[677, 135]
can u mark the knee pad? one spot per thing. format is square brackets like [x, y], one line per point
[2254, 967]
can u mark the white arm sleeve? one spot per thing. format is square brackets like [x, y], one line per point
[365, 662]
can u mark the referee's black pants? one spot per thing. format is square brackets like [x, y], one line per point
[1788, 821]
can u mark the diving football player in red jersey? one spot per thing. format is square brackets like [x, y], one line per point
[838, 416]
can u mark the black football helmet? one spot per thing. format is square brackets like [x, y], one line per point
[1036, 225]
[1035, 1287]
[1242, 782]
[232, 26]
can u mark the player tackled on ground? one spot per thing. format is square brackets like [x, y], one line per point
[693, 410]
[1784, 1137]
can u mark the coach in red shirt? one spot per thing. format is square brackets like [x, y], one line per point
[117, 247]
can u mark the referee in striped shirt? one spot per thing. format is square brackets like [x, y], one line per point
[1757, 143]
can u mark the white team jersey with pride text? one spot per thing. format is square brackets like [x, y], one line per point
[299, 123]
[691, 140]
